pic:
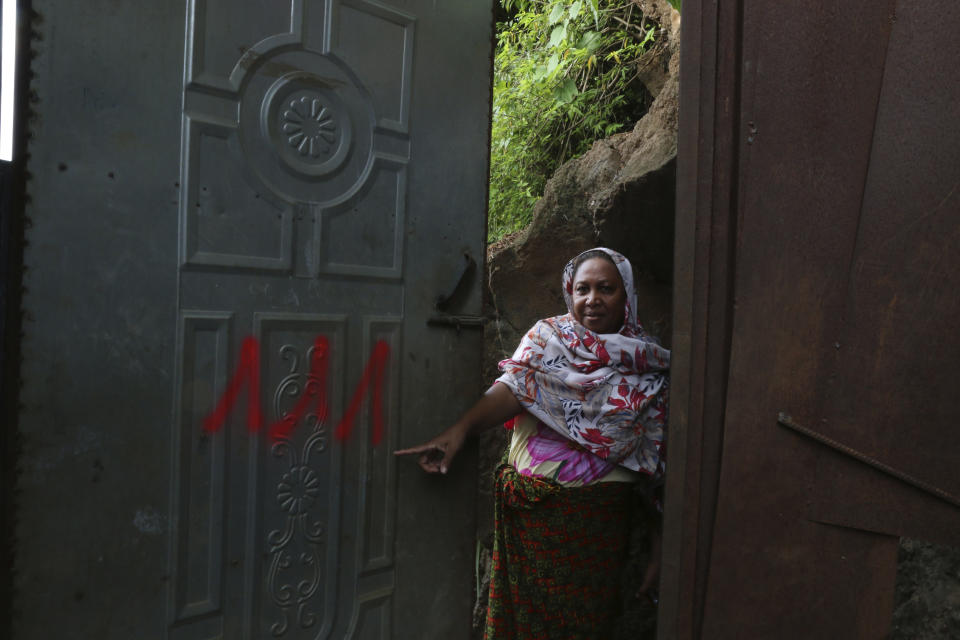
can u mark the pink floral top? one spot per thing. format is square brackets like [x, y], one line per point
[537, 450]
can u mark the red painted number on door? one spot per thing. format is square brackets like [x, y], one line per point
[314, 391]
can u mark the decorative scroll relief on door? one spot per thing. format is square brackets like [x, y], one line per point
[297, 480]
[310, 123]
[326, 509]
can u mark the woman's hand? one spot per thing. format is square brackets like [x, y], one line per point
[436, 455]
[494, 407]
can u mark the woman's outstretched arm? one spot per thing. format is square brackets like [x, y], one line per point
[497, 405]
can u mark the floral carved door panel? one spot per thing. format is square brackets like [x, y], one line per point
[265, 199]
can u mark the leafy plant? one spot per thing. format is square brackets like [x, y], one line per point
[564, 76]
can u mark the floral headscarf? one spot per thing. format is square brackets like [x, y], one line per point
[607, 392]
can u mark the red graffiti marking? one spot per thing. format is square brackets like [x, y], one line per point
[316, 388]
[375, 367]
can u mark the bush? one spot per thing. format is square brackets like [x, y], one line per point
[564, 76]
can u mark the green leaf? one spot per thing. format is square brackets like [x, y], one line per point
[575, 9]
[649, 37]
[675, 4]
[556, 14]
[566, 91]
[589, 41]
[552, 63]
[557, 35]
[595, 7]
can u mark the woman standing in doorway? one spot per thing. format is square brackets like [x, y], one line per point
[585, 394]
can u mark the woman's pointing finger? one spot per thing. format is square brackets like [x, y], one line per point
[418, 449]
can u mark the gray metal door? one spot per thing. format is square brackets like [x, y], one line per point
[264, 196]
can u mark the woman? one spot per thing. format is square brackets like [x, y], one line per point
[588, 394]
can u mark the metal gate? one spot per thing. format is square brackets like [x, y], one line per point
[813, 410]
[263, 197]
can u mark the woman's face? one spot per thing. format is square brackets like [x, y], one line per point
[598, 296]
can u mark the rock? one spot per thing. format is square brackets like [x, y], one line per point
[927, 594]
[654, 68]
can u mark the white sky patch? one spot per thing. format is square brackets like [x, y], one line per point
[8, 54]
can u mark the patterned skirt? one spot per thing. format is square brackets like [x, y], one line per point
[558, 555]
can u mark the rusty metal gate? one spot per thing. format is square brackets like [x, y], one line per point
[817, 268]
[265, 197]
